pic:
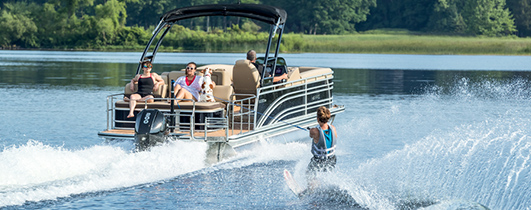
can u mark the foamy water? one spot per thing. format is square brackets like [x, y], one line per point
[35, 172]
[470, 143]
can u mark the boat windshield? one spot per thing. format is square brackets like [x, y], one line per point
[280, 61]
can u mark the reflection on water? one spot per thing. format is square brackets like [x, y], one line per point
[406, 82]
[116, 69]
[72, 73]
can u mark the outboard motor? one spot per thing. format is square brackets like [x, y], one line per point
[150, 129]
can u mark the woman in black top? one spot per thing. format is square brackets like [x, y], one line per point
[147, 83]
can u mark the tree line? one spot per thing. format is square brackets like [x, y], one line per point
[97, 24]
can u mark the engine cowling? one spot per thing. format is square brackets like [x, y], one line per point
[150, 129]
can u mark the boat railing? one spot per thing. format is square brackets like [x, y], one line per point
[111, 110]
[179, 127]
[176, 117]
[210, 124]
[299, 82]
[242, 113]
[216, 123]
[303, 88]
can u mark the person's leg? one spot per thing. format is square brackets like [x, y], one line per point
[176, 89]
[184, 94]
[149, 98]
[132, 104]
[311, 173]
[330, 163]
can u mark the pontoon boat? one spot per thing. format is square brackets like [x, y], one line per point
[248, 107]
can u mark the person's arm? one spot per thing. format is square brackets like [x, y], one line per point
[314, 134]
[281, 77]
[176, 82]
[133, 82]
[159, 82]
[334, 128]
[199, 82]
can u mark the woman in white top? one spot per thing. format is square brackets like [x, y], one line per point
[188, 86]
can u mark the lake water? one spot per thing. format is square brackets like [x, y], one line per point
[418, 129]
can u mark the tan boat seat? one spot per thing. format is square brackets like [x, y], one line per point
[314, 72]
[246, 78]
[293, 74]
[199, 106]
[222, 93]
[220, 67]
[173, 75]
[221, 77]
[160, 93]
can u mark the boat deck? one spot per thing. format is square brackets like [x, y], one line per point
[129, 133]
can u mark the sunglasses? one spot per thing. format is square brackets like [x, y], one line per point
[191, 68]
[146, 66]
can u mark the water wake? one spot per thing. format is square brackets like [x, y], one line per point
[36, 172]
[487, 163]
[475, 146]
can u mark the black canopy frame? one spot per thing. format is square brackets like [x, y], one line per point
[273, 16]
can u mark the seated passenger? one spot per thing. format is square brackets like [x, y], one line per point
[251, 56]
[189, 86]
[147, 83]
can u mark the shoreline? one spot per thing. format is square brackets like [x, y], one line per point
[355, 44]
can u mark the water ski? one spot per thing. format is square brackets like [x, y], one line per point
[292, 184]
[325, 194]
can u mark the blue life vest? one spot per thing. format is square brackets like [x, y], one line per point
[321, 150]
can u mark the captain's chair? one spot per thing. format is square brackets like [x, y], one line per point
[245, 76]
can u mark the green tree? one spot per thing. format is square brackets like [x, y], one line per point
[109, 19]
[447, 18]
[476, 17]
[489, 17]
[406, 14]
[70, 7]
[324, 16]
[17, 25]
[148, 12]
[52, 26]
[521, 9]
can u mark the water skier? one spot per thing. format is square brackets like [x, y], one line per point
[323, 148]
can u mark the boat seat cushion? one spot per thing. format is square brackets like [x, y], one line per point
[246, 78]
[222, 93]
[160, 93]
[293, 74]
[220, 67]
[219, 76]
[312, 72]
[222, 77]
[174, 75]
[166, 105]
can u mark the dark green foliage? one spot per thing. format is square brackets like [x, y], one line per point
[521, 10]
[407, 14]
[324, 16]
[470, 17]
[17, 26]
[127, 24]
[473, 17]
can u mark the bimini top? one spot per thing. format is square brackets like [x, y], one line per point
[264, 13]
